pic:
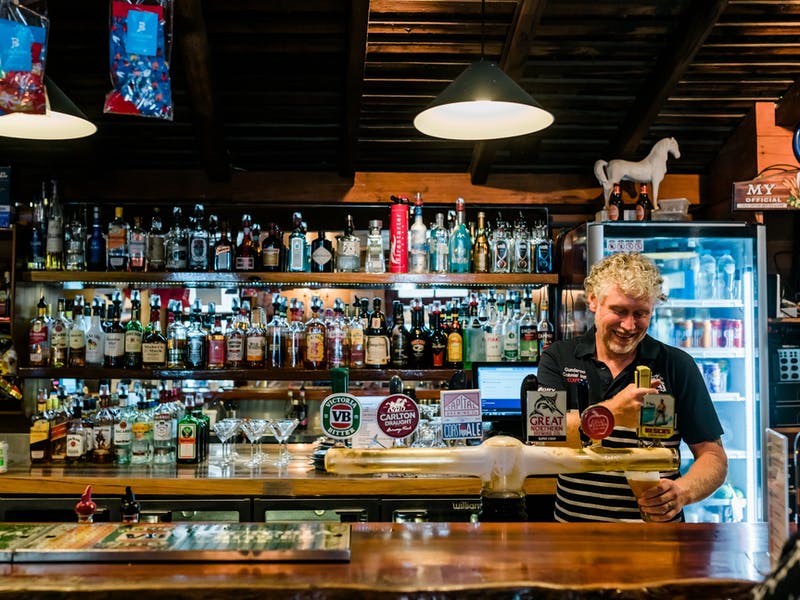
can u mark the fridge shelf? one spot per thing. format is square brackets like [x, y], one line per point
[715, 352]
[727, 397]
[692, 303]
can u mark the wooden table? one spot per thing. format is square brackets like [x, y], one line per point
[448, 560]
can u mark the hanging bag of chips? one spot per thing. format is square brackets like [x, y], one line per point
[139, 43]
[23, 40]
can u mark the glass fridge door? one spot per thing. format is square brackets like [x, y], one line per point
[711, 274]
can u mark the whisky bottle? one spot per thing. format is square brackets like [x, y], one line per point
[96, 244]
[176, 336]
[272, 250]
[54, 247]
[418, 339]
[376, 339]
[76, 437]
[356, 333]
[117, 242]
[455, 341]
[400, 339]
[236, 337]
[255, 343]
[77, 333]
[137, 246]
[114, 333]
[155, 243]
[348, 249]
[39, 435]
[134, 334]
[198, 241]
[39, 337]
[154, 344]
[480, 249]
[245, 250]
[215, 354]
[315, 337]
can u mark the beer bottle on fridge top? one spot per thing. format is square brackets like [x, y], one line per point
[616, 207]
[644, 207]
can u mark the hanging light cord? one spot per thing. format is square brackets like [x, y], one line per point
[483, 26]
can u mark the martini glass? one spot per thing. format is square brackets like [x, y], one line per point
[281, 430]
[254, 429]
[225, 429]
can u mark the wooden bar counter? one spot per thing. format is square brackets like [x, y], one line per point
[446, 560]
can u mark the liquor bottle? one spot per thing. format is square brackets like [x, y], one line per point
[95, 336]
[39, 337]
[528, 332]
[299, 409]
[337, 337]
[236, 336]
[39, 434]
[59, 337]
[123, 435]
[155, 243]
[644, 207]
[500, 247]
[491, 332]
[142, 438]
[418, 338]
[376, 339]
[176, 336]
[176, 243]
[215, 342]
[454, 358]
[198, 241]
[521, 262]
[297, 255]
[546, 329]
[245, 249]
[480, 249]
[256, 342]
[438, 338]
[510, 331]
[38, 235]
[418, 240]
[473, 335]
[273, 334]
[294, 338]
[348, 249]
[102, 453]
[356, 333]
[137, 246]
[165, 425]
[188, 445]
[59, 421]
[400, 339]
[134, 334]
[196, 338]
[543, 250]
[375, 259]
[117, 242]
[398, 235]
[5, 294]
[54, 240]
[75, 241]
[77, 333]
[439, 246]
[616, 207]
[460, 242]
[154, 344]
[315, 338]
[76, 437]
[321, 254]
[272, 250]
[222, 250]
[114, 335]
[96, 244]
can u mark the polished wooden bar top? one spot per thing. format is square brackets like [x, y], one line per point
[449, 560]
[300, 479]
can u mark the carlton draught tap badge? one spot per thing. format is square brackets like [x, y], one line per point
[398, 416]
[340, 416]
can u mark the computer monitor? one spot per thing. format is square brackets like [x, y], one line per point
[499, 384]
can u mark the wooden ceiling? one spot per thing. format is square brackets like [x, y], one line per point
[333, 86]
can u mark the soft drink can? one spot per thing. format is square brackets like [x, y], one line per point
[733, 333]
[716, 333]
[712, 375]
[683, 334]
[398, 238]
[707, 337]
[3, 456]
[697, 333]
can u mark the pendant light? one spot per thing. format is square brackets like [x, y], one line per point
[62, 119]
[483, 103]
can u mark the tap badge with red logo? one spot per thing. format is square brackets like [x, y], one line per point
[398, 416]
[340, 416]
[597, 422]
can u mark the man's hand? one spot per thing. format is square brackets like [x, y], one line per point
[664, 501]
[627, 405]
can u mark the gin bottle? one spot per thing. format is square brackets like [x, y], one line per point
[348, 249]
[439, 246]
[418, 241]
[297, 258]
[54, 256]
[375, 261]
[460, 242]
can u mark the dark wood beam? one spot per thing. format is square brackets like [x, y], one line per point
[666, 73]
[354, 83]
[192, 37]
[787, 110]
[512, 61]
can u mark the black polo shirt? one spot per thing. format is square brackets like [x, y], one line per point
[607, 496]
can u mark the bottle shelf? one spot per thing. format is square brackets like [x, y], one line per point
[234, 374]
[280, 279]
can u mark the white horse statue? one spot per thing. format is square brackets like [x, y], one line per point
[652, 169]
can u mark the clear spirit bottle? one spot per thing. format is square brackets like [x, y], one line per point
[440, 246]
[54, 255]
[322, 260]
[297, 257]
[95, 336]
[418, 240]
[137, 246]
[198, 241]
[348, 249]
[75, 241]
[96, 244]
[176, 244]
[155, 243]
[460, 242]
[375, 260]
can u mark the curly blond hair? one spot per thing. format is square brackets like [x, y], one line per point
[633, 273]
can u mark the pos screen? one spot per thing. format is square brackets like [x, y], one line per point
[499, 384]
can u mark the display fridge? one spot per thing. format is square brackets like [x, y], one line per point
[715, 280]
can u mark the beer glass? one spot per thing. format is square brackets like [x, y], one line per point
[640, 482]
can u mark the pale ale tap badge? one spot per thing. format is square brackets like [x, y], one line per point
[461, 414]
[657, 416]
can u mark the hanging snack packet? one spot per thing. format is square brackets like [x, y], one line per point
[23, 39]
[139, 43]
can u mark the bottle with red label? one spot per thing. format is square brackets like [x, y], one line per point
[644, 207]
[398, 235]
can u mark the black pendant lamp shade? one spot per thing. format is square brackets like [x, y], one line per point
[61, 121]
[483, 103]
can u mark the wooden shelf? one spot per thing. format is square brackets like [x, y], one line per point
[313, 280]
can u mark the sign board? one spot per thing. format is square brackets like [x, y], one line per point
[777, 191]
[546, 418]
[461, 414]
[777, 492]
[340, 416]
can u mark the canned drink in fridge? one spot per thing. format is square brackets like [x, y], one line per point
[697, 333]
[682, 333]
[707, 337]
[712, 375]
[733, 332]
[716, 333]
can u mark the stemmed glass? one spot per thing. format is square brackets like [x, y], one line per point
[281, 430]
[254, 429]
[225, 429]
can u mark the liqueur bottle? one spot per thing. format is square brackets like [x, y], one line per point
[418, 338]
[315, 338]
[438, 339]
[222, 250]
[348, 249]
[96, 244]
[54, 247]
[215, 342]
[245, 250]
[188, 439]
[155, 258]
[480, 249]
[322, 254]
[399, 341]
[59, 336]
[154, 344]
[95, 336]
[376, 339]
[455, 341]
[117, 242]
[460, 242]
[39, 337]
[114, 336]
[546, 330]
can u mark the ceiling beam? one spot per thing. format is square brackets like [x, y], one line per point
[192, 37]
[354, 83]
[665, 75]
[512, 62]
